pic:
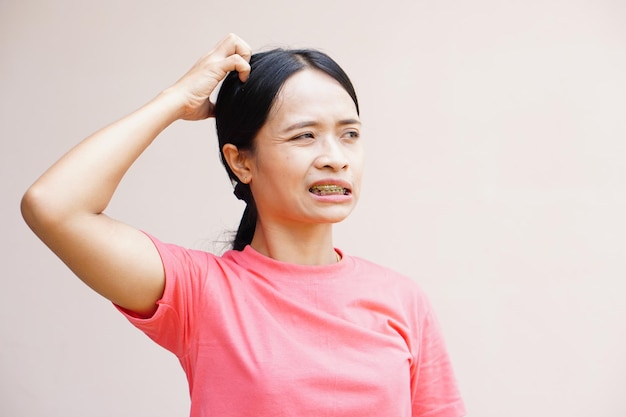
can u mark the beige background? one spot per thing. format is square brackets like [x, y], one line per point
[495, 133]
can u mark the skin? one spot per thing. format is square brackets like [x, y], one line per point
[312, 135]
[65, 206]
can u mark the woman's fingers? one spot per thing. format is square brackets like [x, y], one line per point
[236, 53]
[244, 51]
[239, 64]
[232, 44]
[231, 54]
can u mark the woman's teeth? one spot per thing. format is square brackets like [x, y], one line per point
[328, 190]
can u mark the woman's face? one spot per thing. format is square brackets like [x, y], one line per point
[308, 157]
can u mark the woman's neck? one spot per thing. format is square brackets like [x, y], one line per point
[305, 244]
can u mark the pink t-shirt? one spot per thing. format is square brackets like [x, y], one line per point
[258, 337]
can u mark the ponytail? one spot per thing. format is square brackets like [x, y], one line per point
[245, 232]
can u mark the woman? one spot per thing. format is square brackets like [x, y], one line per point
[284, 324]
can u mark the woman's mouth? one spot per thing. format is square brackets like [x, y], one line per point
[329, 189]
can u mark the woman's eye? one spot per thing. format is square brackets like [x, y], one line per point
[353, 134]
[304, 136]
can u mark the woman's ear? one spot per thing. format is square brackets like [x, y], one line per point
[238, 161]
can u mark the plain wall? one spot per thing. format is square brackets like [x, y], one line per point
[496, 145]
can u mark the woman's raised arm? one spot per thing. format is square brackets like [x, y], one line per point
[65, 206]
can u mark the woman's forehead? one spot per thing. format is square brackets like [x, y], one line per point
[312, 93]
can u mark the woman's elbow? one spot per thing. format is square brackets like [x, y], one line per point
[37, 209]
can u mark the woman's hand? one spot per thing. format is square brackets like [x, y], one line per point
[195, 87]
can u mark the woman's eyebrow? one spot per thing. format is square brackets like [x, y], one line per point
[309, 123]
[349, 122]
[300, 125]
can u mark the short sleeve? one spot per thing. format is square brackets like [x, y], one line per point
[170, 325]
[434, 387]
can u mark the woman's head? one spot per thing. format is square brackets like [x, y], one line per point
[242, 109]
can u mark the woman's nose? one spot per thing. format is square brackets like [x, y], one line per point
[332, 155]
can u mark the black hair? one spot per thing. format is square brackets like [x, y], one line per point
[241, 109]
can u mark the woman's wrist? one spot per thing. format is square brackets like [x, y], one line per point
[170, 104]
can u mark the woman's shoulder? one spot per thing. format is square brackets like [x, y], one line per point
[385, 275]
[392, 287]
[378, 268]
